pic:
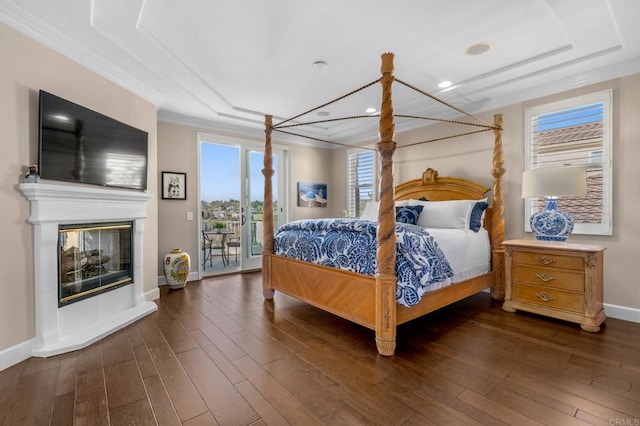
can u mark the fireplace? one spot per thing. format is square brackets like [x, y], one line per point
[93, 258]
[91, 224]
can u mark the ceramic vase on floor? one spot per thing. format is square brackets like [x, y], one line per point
[177, 265]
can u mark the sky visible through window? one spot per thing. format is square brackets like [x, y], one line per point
[220, 173]
[571, 117]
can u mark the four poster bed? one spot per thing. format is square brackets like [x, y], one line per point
[370, 300]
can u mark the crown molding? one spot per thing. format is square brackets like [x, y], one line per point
[45, 34]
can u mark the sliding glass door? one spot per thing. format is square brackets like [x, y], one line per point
[231, 202]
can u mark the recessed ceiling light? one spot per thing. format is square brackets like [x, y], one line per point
[370, 110]
[320, 65]
[478, 48]
[323, 113]
[444, 84]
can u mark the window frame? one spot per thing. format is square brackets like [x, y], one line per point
[351, 210]
[605, 227]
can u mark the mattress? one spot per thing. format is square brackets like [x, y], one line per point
[468, 253]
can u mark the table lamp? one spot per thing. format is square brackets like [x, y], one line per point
[552, 224]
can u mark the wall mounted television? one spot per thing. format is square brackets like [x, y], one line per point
[79, 145]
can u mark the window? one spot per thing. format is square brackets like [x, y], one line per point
[361, 180]
[574, 132]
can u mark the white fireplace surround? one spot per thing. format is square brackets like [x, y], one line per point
[72, 327]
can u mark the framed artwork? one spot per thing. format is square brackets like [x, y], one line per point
[174, 186]
[312, 194]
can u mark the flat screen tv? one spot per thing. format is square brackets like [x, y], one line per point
[77, 144]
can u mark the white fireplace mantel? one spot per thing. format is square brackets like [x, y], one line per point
[72, 327]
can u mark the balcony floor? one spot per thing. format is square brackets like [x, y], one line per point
[216, 265]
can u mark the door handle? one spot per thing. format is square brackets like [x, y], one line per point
[243, 219]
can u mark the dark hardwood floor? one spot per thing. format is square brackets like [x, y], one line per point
[217, 353]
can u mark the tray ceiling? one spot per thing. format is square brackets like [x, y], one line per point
[224, 64]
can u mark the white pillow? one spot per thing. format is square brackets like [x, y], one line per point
[370, 211]
[453, 214]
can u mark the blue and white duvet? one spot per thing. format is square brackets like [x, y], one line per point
[350, 244]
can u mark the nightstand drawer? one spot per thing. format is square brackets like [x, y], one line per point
[549, 297]
[550, 277]
[550, 260]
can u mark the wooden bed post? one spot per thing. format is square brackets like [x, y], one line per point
[497, 222]
[267, 218]
[386, 254]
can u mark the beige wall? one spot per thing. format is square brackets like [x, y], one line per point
[28, 66]
[178, 152]
[471, 157]
[314, 165]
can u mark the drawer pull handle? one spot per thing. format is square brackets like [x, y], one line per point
[545, 277]
[545, 260]
[544, 296]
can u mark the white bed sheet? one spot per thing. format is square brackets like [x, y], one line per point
[468, 253]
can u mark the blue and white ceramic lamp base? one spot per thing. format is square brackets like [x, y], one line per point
[551, 224]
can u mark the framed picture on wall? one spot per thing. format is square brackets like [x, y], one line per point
[312, 194]
[174, 186]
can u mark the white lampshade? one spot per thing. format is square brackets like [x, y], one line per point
[554, 182]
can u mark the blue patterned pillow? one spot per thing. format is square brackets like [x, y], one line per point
[475, 218]
[408, 214]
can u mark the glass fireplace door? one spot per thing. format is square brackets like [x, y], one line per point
[92, 259]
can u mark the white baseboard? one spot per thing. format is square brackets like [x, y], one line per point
[622, 312]
[152, 295]
[193, 276]
[16, 354]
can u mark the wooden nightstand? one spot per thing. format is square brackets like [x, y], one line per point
[560, 280]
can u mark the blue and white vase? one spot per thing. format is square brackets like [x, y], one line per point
[551, 224]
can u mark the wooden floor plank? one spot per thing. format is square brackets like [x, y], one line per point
[286, 403]
[303, 386]
[205, 419]
[223, 363]
[223, 400]
[531, 408]
[497, 410]
[68, 370]
[124, 384]
[145, 364]
[91, 412]
[90, 385]
[267, 412]
[33, 397]
[184, 396]
[566, 396]
[135, 413]
[216, 352]
[161, 404]
[116, 348]
[173, 332]
[63, 409]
